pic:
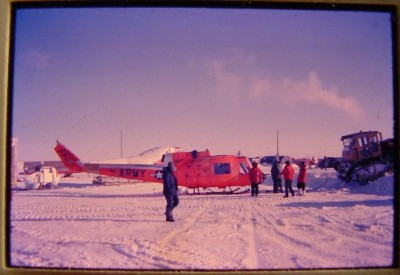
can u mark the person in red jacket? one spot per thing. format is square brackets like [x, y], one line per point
[288, 174]
[302, 179]
[256, 177]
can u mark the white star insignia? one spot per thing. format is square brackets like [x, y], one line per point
[158, 175]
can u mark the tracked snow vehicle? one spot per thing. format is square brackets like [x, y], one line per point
[365, 157]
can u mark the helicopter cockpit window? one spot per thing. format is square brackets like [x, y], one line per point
[222, 168]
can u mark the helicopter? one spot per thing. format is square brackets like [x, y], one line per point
[229, 174]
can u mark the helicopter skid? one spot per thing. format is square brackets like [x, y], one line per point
[225, 191]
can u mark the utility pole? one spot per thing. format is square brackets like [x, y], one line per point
[121, 143]
[277, 145]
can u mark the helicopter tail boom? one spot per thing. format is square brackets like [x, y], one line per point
[69, 159]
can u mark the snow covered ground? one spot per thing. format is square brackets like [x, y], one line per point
[79, 225]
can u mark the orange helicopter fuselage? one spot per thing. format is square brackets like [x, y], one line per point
[195, 169]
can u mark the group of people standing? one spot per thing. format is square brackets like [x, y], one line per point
[257, 177]
[288, 176]
[170, 184]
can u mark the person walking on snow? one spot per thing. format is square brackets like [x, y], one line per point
[276, 177]
[256, 177]
[288, 174]
[302, 179]
[170, 191]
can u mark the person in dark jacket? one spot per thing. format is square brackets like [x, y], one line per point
[256, 178]
[170, 191]
[276, 177]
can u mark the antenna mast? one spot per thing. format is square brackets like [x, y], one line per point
[277, 145]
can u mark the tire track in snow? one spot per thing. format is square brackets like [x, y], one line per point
[173, 236]
[274, 222]
[297, 248]
[251, 259]
[258, 225]
[157, 253]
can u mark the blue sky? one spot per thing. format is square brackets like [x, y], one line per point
[222, 79]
